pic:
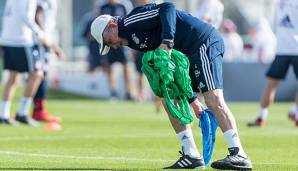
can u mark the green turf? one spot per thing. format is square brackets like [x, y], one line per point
[99, 135]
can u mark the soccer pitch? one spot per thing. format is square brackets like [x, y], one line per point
[100, 135]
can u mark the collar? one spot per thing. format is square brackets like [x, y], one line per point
[122, 31]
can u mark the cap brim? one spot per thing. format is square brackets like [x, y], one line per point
[103, 49]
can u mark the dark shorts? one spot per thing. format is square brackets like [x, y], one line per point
[95, 61]
[206, 65]
[45, 53]
[116, 55]
[22, 59]
[280, 66]
[138, 61]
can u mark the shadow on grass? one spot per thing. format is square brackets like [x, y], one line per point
[20, 168]
[58, 94]
[54, 94]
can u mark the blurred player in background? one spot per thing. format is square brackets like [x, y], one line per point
[46, 18]
[166, 28]
[286, 27]
[115, 8]
[232, 40]
[144, 2]
[140, 76]
[18, 28]
[141, 80]
[264, 43]
[211, 11]
[94, 59]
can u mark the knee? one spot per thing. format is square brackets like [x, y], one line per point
[37, 75]
[215, 103]
[13, 78]
[12, 81]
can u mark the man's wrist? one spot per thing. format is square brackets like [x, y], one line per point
[164, 47]
[168, 42]
[192, 98]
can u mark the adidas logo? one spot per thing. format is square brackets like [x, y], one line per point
[201, 85]
[184, 163]
[286, 22]
[234, 135]
[184, 137]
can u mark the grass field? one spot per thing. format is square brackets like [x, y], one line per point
[99, 135]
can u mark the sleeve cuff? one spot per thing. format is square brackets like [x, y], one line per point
[193, 98]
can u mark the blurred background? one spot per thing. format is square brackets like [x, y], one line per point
[245, 25]
[105, 117]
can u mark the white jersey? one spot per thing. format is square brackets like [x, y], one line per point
[212, 10]
[233, 46]
[286, 27]
[18, 24]
[265, 41]
[50, 8]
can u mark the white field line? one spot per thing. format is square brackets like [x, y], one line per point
[277, 164]
[101, 136]
[138, 135]
[15, 153]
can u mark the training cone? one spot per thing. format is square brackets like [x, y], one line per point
[53, 126]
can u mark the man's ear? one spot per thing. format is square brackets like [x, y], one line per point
[113, 23]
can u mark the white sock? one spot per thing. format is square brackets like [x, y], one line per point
[293, 108]
[263, 113]
[25, 103]
[188, 143]
[233, 140]
[296, 112]
[5, 109]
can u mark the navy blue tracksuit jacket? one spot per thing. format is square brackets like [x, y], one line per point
[146, 26]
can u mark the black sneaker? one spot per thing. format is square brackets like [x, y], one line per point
[256, 123]
[233, 162]
[24, 119]
[128, 97]
[186, 162]
[4, 121]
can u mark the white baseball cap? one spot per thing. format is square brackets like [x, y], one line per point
[97, 28]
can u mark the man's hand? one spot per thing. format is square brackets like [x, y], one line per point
[43, 40]
[58, 51]
[198, 107]
[165, 47]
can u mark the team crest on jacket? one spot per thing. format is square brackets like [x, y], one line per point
[135, 38]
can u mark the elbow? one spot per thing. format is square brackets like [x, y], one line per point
[168, 5]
